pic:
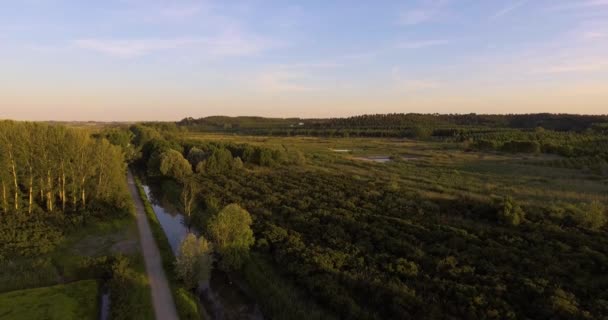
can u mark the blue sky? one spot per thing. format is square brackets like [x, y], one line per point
[165, 60]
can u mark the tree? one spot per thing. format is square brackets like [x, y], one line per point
[231, 232]
[510, 212]
[188, 196]
[194, 261]
[123, 138]
[196, 155]
[173, 164]
[220, 161]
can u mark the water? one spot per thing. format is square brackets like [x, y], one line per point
[171, 220]
[223, 298]
[105, 305]
[379, 159]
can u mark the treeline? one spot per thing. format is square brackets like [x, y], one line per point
[397, 122]
[162, 154]
[562, 134]
[50, 175]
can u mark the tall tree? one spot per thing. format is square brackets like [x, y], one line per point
[194, 260]
[188, 195]
[231, 232]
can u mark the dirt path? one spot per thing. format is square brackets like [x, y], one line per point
[164, 307]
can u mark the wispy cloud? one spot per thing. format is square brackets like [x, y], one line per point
[422, 44]
[508, 9]
[410, 84]
[282, 81]
[419, 85]
[428, 11]
[154, 11]
[229, 43]
[592, 35]
[574, 67]
[134, 47]
[582, 4]
[180, 12]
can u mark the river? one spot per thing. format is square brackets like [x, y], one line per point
[222, 298]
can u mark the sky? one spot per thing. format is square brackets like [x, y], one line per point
[128, 60]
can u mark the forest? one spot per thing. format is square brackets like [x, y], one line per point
[447, 228]
[52, 173]
[66, 226]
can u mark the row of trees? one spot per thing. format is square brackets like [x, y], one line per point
[560, 122]
[51, 178]
[55, 168]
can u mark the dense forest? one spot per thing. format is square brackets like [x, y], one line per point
[372, 247]
[51, 176]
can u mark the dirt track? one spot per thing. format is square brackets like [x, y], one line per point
[164, 307]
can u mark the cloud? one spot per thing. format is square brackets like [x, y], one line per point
[162, 11]
[428, 11]
[421, 44]
[418, 85]
[571, 68]
[591, 35]
[508, 9]
[180, 12]
[585, 4]
[229, 43]
[409, 84]
[413, 17]
[134, 47]
[281, 81]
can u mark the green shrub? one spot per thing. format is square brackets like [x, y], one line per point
[187, 304]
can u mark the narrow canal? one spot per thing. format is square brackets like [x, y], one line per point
[222, 298]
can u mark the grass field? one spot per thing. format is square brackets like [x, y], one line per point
[77, 300]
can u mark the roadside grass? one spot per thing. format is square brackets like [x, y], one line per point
[76, 300]
[186, 303]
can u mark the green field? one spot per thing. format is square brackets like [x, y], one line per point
[77, 301]
[440, 169]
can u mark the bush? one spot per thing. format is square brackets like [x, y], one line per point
[187, 304]
[591, 216]
[510, 212]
